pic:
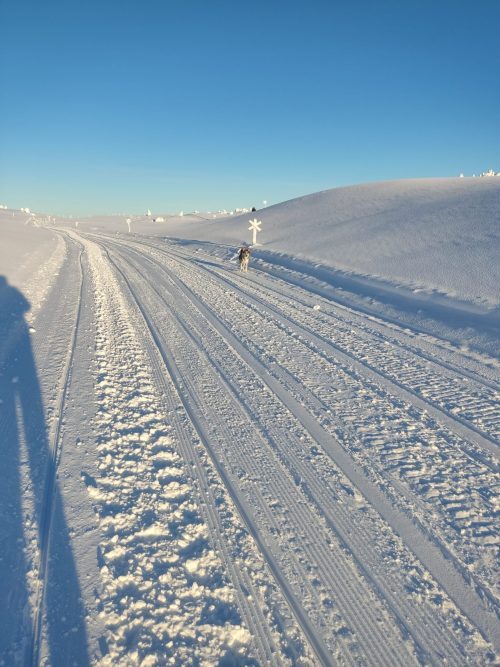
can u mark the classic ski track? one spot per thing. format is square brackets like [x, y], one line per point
[482, 437]
[183, 434]
[289, 380]
[204, 486]
[447, 418]
[486, 440]
[396, 328]
[354, 303]
[378, 330]
[293, 383]
[460, 569]
[389, 328]
[33, 649]
[248, 600]
[366, 626]
[440, 630]
[324, 347]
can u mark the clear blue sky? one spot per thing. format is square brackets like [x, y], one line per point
[116, 106]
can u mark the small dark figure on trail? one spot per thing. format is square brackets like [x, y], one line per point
[253, 209]
[244, 258]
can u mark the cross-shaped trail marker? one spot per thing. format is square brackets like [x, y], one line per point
[255, 227]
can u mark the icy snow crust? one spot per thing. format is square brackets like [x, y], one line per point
[298, 465]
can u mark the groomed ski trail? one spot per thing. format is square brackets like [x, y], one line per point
[181, 581]
[288, 402]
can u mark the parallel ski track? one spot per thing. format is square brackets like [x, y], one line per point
[47, 508]
[428, 382]
[268, 652]
[394, 382]
[353, 601]
[292, 384]
[373, 325]
[317, 402]
[285, 316]
[412, 384]
[477, 449]
[359, 548]
[351, 304]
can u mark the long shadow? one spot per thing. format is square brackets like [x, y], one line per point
[31, 505]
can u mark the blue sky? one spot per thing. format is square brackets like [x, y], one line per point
[118, 106]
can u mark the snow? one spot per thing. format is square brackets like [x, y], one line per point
[433, 235]
[295, 465]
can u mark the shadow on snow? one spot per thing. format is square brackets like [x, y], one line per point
[28, 471]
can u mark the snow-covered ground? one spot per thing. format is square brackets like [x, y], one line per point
[298, 465]
[438, 235]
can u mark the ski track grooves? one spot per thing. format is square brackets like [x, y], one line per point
[277, 380]
[375, 649]
[251, 603]
[435, 563]
[460, 426]
[476, 611]
[326, 347]
[202, 429]
[317, 342]
[33, 648]
[483, 453]
[452, 420]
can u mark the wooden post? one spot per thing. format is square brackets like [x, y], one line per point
[255, 227]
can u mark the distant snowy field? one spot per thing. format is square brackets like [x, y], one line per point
[436, 235]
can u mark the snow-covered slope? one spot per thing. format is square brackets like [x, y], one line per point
[437, 235]
[30, 256]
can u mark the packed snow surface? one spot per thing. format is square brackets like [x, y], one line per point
[297, 465]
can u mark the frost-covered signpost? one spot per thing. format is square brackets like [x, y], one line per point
[255, 227]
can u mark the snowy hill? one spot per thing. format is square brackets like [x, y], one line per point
[434, 235]
[439, 234]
